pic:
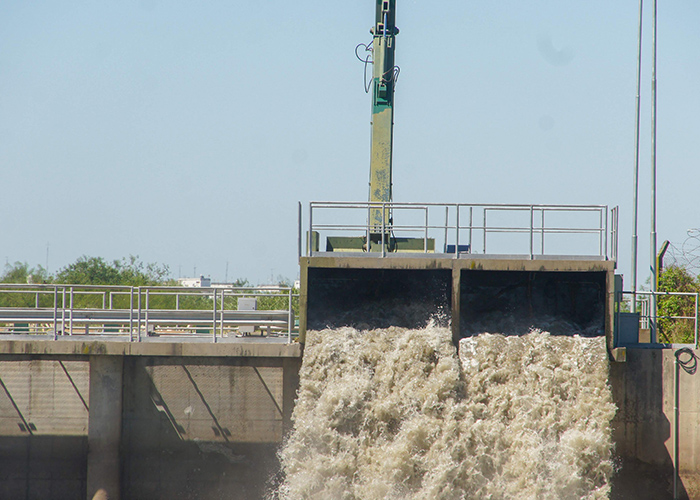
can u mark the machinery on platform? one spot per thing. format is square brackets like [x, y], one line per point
[375, 271]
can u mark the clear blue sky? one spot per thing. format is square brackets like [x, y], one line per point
[186, 132]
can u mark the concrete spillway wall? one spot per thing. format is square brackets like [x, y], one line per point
[190, 421]
[175, 420]
[645, 393]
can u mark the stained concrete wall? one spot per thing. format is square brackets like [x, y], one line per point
[201, 427]
[139, 426]
[43, 427]
[643, 429]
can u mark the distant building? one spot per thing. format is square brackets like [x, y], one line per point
[200, 282]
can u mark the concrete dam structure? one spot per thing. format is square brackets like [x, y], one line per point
[444, 351]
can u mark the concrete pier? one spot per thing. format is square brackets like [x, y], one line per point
[105, 426]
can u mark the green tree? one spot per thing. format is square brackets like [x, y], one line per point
[677, 279]
[20, 272]
[126, 272]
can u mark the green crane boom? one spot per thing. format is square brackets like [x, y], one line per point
[383, 79]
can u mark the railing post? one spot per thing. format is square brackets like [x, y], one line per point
[484, 228]
[70, 324]
[299, 231]
[147, 306]
[55, 312]
[532, 238]
[131, 314]
[311, 228]
[457, 231]
[383, 229]
[290, 320]
[425, 236]
[542, 233]
[214, 318]
[221, 319]
[471, 228]
[63, 310]
[138, 317]
[447, 221]
[696, 320]
[606, 232]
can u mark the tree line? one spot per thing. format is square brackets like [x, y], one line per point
[92, 271]
[128, 272]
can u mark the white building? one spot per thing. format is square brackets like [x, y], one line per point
[200, 282]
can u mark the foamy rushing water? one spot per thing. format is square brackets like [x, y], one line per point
[398, 414]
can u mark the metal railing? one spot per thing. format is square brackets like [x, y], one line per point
[139, 312]
[457, 227]
[667, 327]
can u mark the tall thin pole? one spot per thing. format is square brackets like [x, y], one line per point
[635, 199]
[653, 176]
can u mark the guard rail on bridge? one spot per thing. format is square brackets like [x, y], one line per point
[140, 312]
[530, 231]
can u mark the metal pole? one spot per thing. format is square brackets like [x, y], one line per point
[635, 200]
[652, 256]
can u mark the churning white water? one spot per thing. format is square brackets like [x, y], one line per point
[398, 414]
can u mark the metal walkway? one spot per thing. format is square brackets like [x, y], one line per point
[144, 313]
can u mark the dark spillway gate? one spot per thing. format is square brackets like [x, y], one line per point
[474, 267]
[471, 295]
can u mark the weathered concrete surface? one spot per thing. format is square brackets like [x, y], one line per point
[105, 346]
[202, 427]
[199, 425]
[643, 429]
[105, 426]
[43, 428]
